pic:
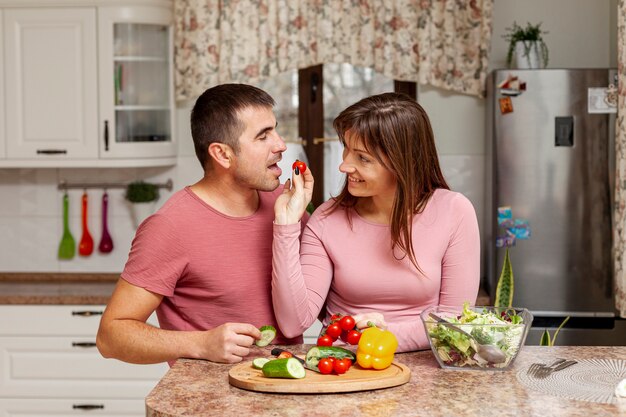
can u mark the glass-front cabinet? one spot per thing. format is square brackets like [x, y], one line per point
[136, 86]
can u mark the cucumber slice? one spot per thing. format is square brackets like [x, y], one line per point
[316, 353]
[268, 333]
[284, 368]
[259, 362]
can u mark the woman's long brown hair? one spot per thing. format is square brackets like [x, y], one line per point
[395, 126]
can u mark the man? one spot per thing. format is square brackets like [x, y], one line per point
[204, 260]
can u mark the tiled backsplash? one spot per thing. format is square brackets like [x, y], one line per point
[31, 221]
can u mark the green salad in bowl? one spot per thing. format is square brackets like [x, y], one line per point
[476, 337]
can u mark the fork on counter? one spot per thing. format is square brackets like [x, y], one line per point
[541, 371]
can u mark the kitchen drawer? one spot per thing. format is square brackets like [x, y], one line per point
[54, 367]
[52, 320]
[58, 407]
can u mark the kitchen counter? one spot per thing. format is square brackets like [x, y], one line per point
[53, 288]
[199, 388]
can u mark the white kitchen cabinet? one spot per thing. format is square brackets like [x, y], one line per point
[136, 96]
[2, 124]
[49, 365]
[51, 83]
[88, 83]
[92, 406]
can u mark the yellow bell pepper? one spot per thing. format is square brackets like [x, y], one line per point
[376, 348]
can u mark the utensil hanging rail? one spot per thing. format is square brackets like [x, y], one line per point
[64, 185]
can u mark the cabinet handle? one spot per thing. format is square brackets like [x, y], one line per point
[106, 135]
[88, 406]
[84, 344]
[51, 151]
[86, 313]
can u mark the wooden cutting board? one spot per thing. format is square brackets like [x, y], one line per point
[356, 379]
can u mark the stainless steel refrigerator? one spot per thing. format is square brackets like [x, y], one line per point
[550, 153]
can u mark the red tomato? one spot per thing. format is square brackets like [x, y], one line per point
[325, 340]
[333, 330]
[347, 323]
[301, 166]
[325, 366]
[335, 317]
[348, 362]
[353, 337]
[331, 359]
[340, 366]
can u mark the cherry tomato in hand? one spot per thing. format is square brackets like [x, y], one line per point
[341, 366]
[300, 165]
[347, 323]
[353, 337]
[335, 317]
[333, 330]
[325, 366]
[325, 340]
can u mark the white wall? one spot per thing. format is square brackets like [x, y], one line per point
[582, 34]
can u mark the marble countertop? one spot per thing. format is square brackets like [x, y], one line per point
[198, 388]
[56, 288]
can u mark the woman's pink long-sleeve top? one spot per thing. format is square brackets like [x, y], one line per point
[354, 270]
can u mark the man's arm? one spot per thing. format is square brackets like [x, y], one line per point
[125, 335]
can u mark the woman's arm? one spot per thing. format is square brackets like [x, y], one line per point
[300, 278]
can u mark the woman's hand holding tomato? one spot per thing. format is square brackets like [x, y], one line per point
[297, 194]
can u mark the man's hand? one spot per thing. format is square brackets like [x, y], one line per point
[296, 196]
[228, 343]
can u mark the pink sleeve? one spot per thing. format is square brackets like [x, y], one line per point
[460, 276]
[298, 296]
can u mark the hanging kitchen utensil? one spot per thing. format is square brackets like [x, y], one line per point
[67, 244]
[85, 247]
[106, 243]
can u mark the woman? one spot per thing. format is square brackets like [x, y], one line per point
[395, 241]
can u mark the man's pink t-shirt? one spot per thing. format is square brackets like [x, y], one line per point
[352, 270]
[211, 268]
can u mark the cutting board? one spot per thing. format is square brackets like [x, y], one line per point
[356, 379]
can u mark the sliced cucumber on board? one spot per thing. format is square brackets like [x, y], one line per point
[316, 353]
[259, 362]
[284, 368]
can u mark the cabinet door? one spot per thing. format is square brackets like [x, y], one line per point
[69, 367]
[51, 83]
[136, 84]
[2, 124]
[68, 407]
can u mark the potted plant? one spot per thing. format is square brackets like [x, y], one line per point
[528, 46]
[142, 196]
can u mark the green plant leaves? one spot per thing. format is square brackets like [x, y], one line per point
[504, 290]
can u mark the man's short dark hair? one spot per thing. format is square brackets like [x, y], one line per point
[214, 117]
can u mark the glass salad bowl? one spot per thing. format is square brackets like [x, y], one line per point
[486, 338]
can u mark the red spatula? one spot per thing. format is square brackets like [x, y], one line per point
[85, 247]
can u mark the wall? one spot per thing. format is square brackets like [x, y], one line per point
[30, 204]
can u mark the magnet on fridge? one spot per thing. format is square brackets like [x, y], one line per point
[506, 105]
[505, 214]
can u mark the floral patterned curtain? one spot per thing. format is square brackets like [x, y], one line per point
[620, 154]
[444, 43]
